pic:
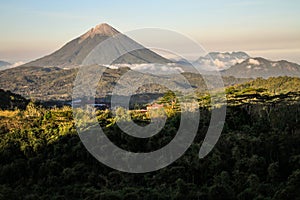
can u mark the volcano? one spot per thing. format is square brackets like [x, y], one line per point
[76, 51]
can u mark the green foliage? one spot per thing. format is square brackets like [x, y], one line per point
[122, 114]
[273, 85]
[257, 156]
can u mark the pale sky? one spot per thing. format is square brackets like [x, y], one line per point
[268, 28]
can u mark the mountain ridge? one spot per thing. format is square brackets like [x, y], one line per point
[261, 67]
[220, 60]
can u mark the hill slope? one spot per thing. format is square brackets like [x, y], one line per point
[56, 84]
[274, 85]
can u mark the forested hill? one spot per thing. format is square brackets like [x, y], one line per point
[9, 100]
[257, 157]
[275, 85]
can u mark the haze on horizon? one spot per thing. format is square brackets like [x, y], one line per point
[264, 28]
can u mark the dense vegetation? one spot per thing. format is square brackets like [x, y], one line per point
[274, 85]
[11, 101]
[257, 156]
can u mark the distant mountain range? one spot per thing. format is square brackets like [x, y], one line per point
[7, 65]
[240, 65]
[47, 79]
[85, 50]
[260, 67]
[4, 63]
[75, 51]
[220, 61]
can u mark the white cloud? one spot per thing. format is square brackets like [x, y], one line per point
[253, 62]
[235, 61]
[220, 55]
[16, 64]
[219, 64]
[207, 62]
[169, 68]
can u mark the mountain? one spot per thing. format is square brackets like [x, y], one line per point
[3, 63]
[260, 67]
[220, 61]
[75, 52]
[181, 61]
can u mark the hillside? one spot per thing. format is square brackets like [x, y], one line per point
[274, 85]
[54, 83]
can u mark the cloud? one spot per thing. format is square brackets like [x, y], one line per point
[220, 55]
[158, 69]
[16, 64]
[235, 61]
[253, 62]
[221, 61]
[219, 64]
[207, 62]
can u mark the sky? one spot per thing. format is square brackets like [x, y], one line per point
[268, 28]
